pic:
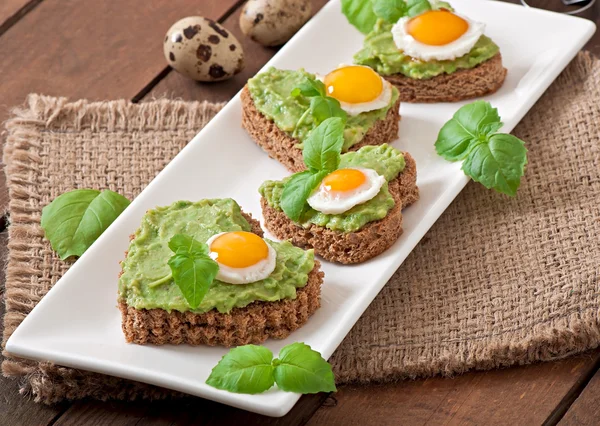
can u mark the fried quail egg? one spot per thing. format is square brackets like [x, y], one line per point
[357, 88]
[343, 189]
[436, 35]
[243, 257]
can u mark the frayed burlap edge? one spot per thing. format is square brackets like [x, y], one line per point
[572, 334]
[575, 333]
[44, 381]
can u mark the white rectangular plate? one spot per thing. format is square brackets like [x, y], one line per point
[77, 323]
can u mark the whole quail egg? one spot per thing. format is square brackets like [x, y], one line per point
[202, 49]
[273, 22]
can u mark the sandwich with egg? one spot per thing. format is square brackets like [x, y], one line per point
[202, 273]
[429, 52]
[280, 108]
[347, 207]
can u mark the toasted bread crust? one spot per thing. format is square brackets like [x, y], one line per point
[282, 147]
[484, 79]
[251, 324]
[350, 247]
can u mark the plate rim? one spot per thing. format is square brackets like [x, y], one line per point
[17, 344]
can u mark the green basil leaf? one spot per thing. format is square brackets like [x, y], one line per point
[193, 270]
[479, 118]
[303, 370]
[496, 160]
[442, 5]
[323, 146]
[360, 14]
[471, 124]
[454, 141]
[309, 88]
[416, 7]
[490, 128]
[498, 164]
[245, 369]
[180, 243]
[389, 10]
[75, 219]
[323, 108]
[296, 191]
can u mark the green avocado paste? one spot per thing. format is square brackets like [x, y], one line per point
[384, 159]
[271, 93]
[146, 283]
[381, 53]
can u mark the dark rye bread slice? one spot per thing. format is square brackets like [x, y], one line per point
[282, 147]
[253, 323]
[483, 79]
[350, 247]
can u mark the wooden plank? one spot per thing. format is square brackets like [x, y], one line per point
[96, 50]
[13, 10]
[175, 85]
[585, 410]
[519, 395]
[15, 409]
[184, 411]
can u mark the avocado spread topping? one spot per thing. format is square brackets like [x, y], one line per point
[271, 93]
[384, 159]
[146, 281]
[381, 53]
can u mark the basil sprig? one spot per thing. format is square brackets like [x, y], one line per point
[360, 13]
[321, 154]
[321, 106]
[192, 268]
[363, 14]
[496, 160]
[75, 219]
[390, 10]
[251, 369]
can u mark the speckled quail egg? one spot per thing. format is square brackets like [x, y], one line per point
[273, 22]
[202, 49]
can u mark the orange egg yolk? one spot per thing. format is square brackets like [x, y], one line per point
[437, 27]
[239, 249]
[344, 180]
[353, 84]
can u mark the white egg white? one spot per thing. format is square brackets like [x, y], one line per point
[415, 49]
[258, 271]
[333, 202]
[379, 102]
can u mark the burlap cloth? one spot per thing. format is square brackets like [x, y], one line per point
[495, 282]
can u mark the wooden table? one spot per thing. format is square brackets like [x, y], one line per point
[109, 49]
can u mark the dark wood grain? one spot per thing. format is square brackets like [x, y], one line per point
[174, 85]
[586, 408]
[90, 49]
[520, 395]
[13, 10]
[185, 411]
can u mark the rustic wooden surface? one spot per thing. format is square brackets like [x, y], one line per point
[586, 409]
[111, 49]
